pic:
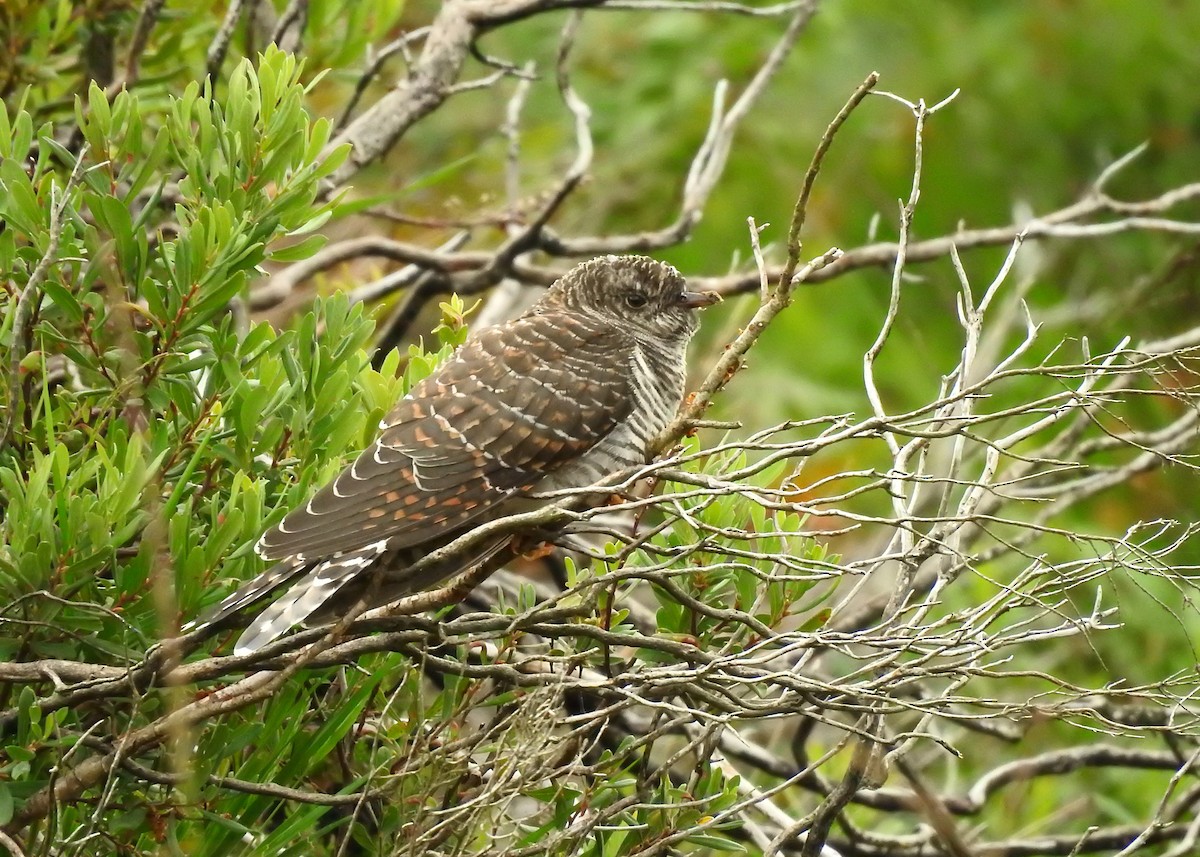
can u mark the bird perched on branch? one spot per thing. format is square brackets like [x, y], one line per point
[570, 392]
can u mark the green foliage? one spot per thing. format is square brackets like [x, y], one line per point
[131, 493]
[173, 401]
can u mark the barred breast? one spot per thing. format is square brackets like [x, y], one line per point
[658, 375]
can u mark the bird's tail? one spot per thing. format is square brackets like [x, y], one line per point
[321, 592]
[251, 592]
[306, 595]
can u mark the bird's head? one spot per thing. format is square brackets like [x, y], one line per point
[647, 298]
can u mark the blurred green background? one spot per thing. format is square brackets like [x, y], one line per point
[1052, 92]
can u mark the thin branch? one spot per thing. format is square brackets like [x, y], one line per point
[219, 46]
[31, 296]
[780, 296]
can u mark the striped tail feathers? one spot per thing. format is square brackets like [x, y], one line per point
[305, 596]
[249, 593]
[319, 592]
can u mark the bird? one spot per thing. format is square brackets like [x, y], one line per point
[572, 391]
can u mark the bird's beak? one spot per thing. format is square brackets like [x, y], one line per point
[696, 300]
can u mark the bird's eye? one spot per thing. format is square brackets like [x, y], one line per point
[635, 300]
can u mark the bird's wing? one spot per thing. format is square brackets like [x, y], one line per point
[514, 404]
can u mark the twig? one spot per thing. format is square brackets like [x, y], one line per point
[31, 296]
[219, 46]
[800, 212]
[400, 46]
[730, 361]
[147, 19]
[11, 844]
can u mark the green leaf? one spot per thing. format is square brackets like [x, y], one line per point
[112, 214]
[19, 206]
[338, 724]
[716, 843]
[100, 113]
[63, 299]
[299, 250]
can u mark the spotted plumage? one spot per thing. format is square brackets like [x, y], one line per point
[566, 394]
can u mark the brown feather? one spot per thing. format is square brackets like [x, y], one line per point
[492, 422]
